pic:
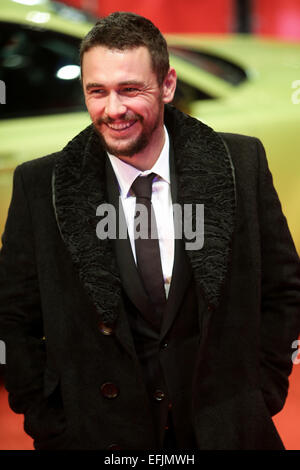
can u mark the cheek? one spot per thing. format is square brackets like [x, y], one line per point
[144, 105]
[95, 109]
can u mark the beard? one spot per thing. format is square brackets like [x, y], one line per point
[135, 145]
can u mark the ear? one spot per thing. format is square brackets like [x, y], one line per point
[169, 86]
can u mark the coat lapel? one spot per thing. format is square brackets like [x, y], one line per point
[204, 175]
[78, 189]
[181, 273]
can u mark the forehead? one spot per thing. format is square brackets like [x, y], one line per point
[104, 64]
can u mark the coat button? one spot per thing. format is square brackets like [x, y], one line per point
[159, 395]
[109, 390]
[105, 329]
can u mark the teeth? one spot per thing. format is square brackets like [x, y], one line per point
[120, 126]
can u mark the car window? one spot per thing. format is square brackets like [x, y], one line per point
[40, 70]
[221, 68]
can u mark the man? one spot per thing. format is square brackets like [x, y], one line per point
[101, 353]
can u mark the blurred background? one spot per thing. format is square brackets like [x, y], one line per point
[238, 66]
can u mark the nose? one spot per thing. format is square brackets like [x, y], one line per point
[114, 107]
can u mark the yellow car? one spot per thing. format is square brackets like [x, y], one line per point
[232, 83]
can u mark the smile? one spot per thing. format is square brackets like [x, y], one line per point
[120, 126]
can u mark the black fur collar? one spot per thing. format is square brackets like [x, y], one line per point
[204, 175]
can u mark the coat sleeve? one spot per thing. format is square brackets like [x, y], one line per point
[280, 292]
[21, 326]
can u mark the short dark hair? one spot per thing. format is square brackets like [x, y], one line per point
[124, 30]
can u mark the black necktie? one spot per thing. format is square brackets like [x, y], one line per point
[147, 249]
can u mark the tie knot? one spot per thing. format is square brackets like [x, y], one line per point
[142, 186]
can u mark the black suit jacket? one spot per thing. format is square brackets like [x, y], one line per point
[163, 374]
[72, 367]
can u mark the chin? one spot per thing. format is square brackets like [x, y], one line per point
[129, 150]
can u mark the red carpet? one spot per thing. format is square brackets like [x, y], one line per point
[12, 436]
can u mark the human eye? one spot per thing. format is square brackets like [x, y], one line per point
[130, 91]
[97, 91]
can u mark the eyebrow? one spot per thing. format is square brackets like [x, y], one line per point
[132, 82]
[126, 82]
[93, 85]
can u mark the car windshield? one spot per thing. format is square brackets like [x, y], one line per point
[221, 68]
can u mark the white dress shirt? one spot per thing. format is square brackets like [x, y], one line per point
[161, 202]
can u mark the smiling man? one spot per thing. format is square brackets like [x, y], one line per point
[139, 342]
[125, 99]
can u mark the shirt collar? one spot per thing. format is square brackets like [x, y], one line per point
[126, 173]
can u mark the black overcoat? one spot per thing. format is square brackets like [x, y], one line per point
[72, 367]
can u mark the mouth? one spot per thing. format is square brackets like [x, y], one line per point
[121, 127]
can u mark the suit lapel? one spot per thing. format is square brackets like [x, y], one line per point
[130, 278]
